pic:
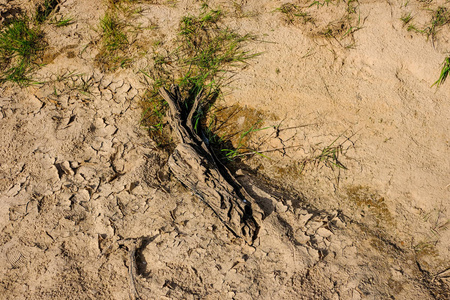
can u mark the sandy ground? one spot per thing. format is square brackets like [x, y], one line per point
[81, 181]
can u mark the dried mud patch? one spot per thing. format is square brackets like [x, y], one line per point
[80, 179]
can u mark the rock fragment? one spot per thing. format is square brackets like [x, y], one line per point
[323, 232]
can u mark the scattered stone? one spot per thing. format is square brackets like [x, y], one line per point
[313, 253]
[14, 190]
[65, 167]
[65, 200]
[138, 190]
[303, 218]
[312, 227]
[280, 207]
[323, 232]
[321, 245]
[301, 237]
[53, 174]
[106, 131]
[99, 123]
[82, 196]
[239, 172]
[337, 222]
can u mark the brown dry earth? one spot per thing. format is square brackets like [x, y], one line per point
[81, 181]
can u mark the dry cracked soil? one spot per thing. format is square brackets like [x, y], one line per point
[82, 184]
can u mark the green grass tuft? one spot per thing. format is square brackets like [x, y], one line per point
[329, 156]
[204, 57]
[292, 13]
[406, 18]
[444, 72]
[20, 44]
[439, 18]
[44, 10]
[114, 43]
[113, 36]
[63, 22]
[320, 4]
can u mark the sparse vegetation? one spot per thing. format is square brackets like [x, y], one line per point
[329, 156]
[444, 72]
[439, 18]
[113, 36]
[293, 13]
[44, 10]
[204, 57]
[241, 148]
[412, 27]
[320, 4]
[406, 18]
[349, 23]
[122, 41]
[62, 22]
[21, 42]
[114, 42]
[239, 10]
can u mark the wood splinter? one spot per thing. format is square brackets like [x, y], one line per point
[196, 166]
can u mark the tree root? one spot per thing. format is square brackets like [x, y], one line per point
[196, 166]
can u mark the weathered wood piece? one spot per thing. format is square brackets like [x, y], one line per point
[196, 166]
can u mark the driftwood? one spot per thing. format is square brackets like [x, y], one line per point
[196, 166]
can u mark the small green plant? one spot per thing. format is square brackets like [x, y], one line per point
[126, 7]
[444, 72]
[114, 43]
[113, 36]
[292, 13]
[241, 149]
[329, 156]
[344, 28]
[63, 22]
[320, 4]
[406, 18]
[205, 53]
[412, 27]
[352, 6]
[44, 10]
[239, 10]
[20, 45]
[440, 17]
